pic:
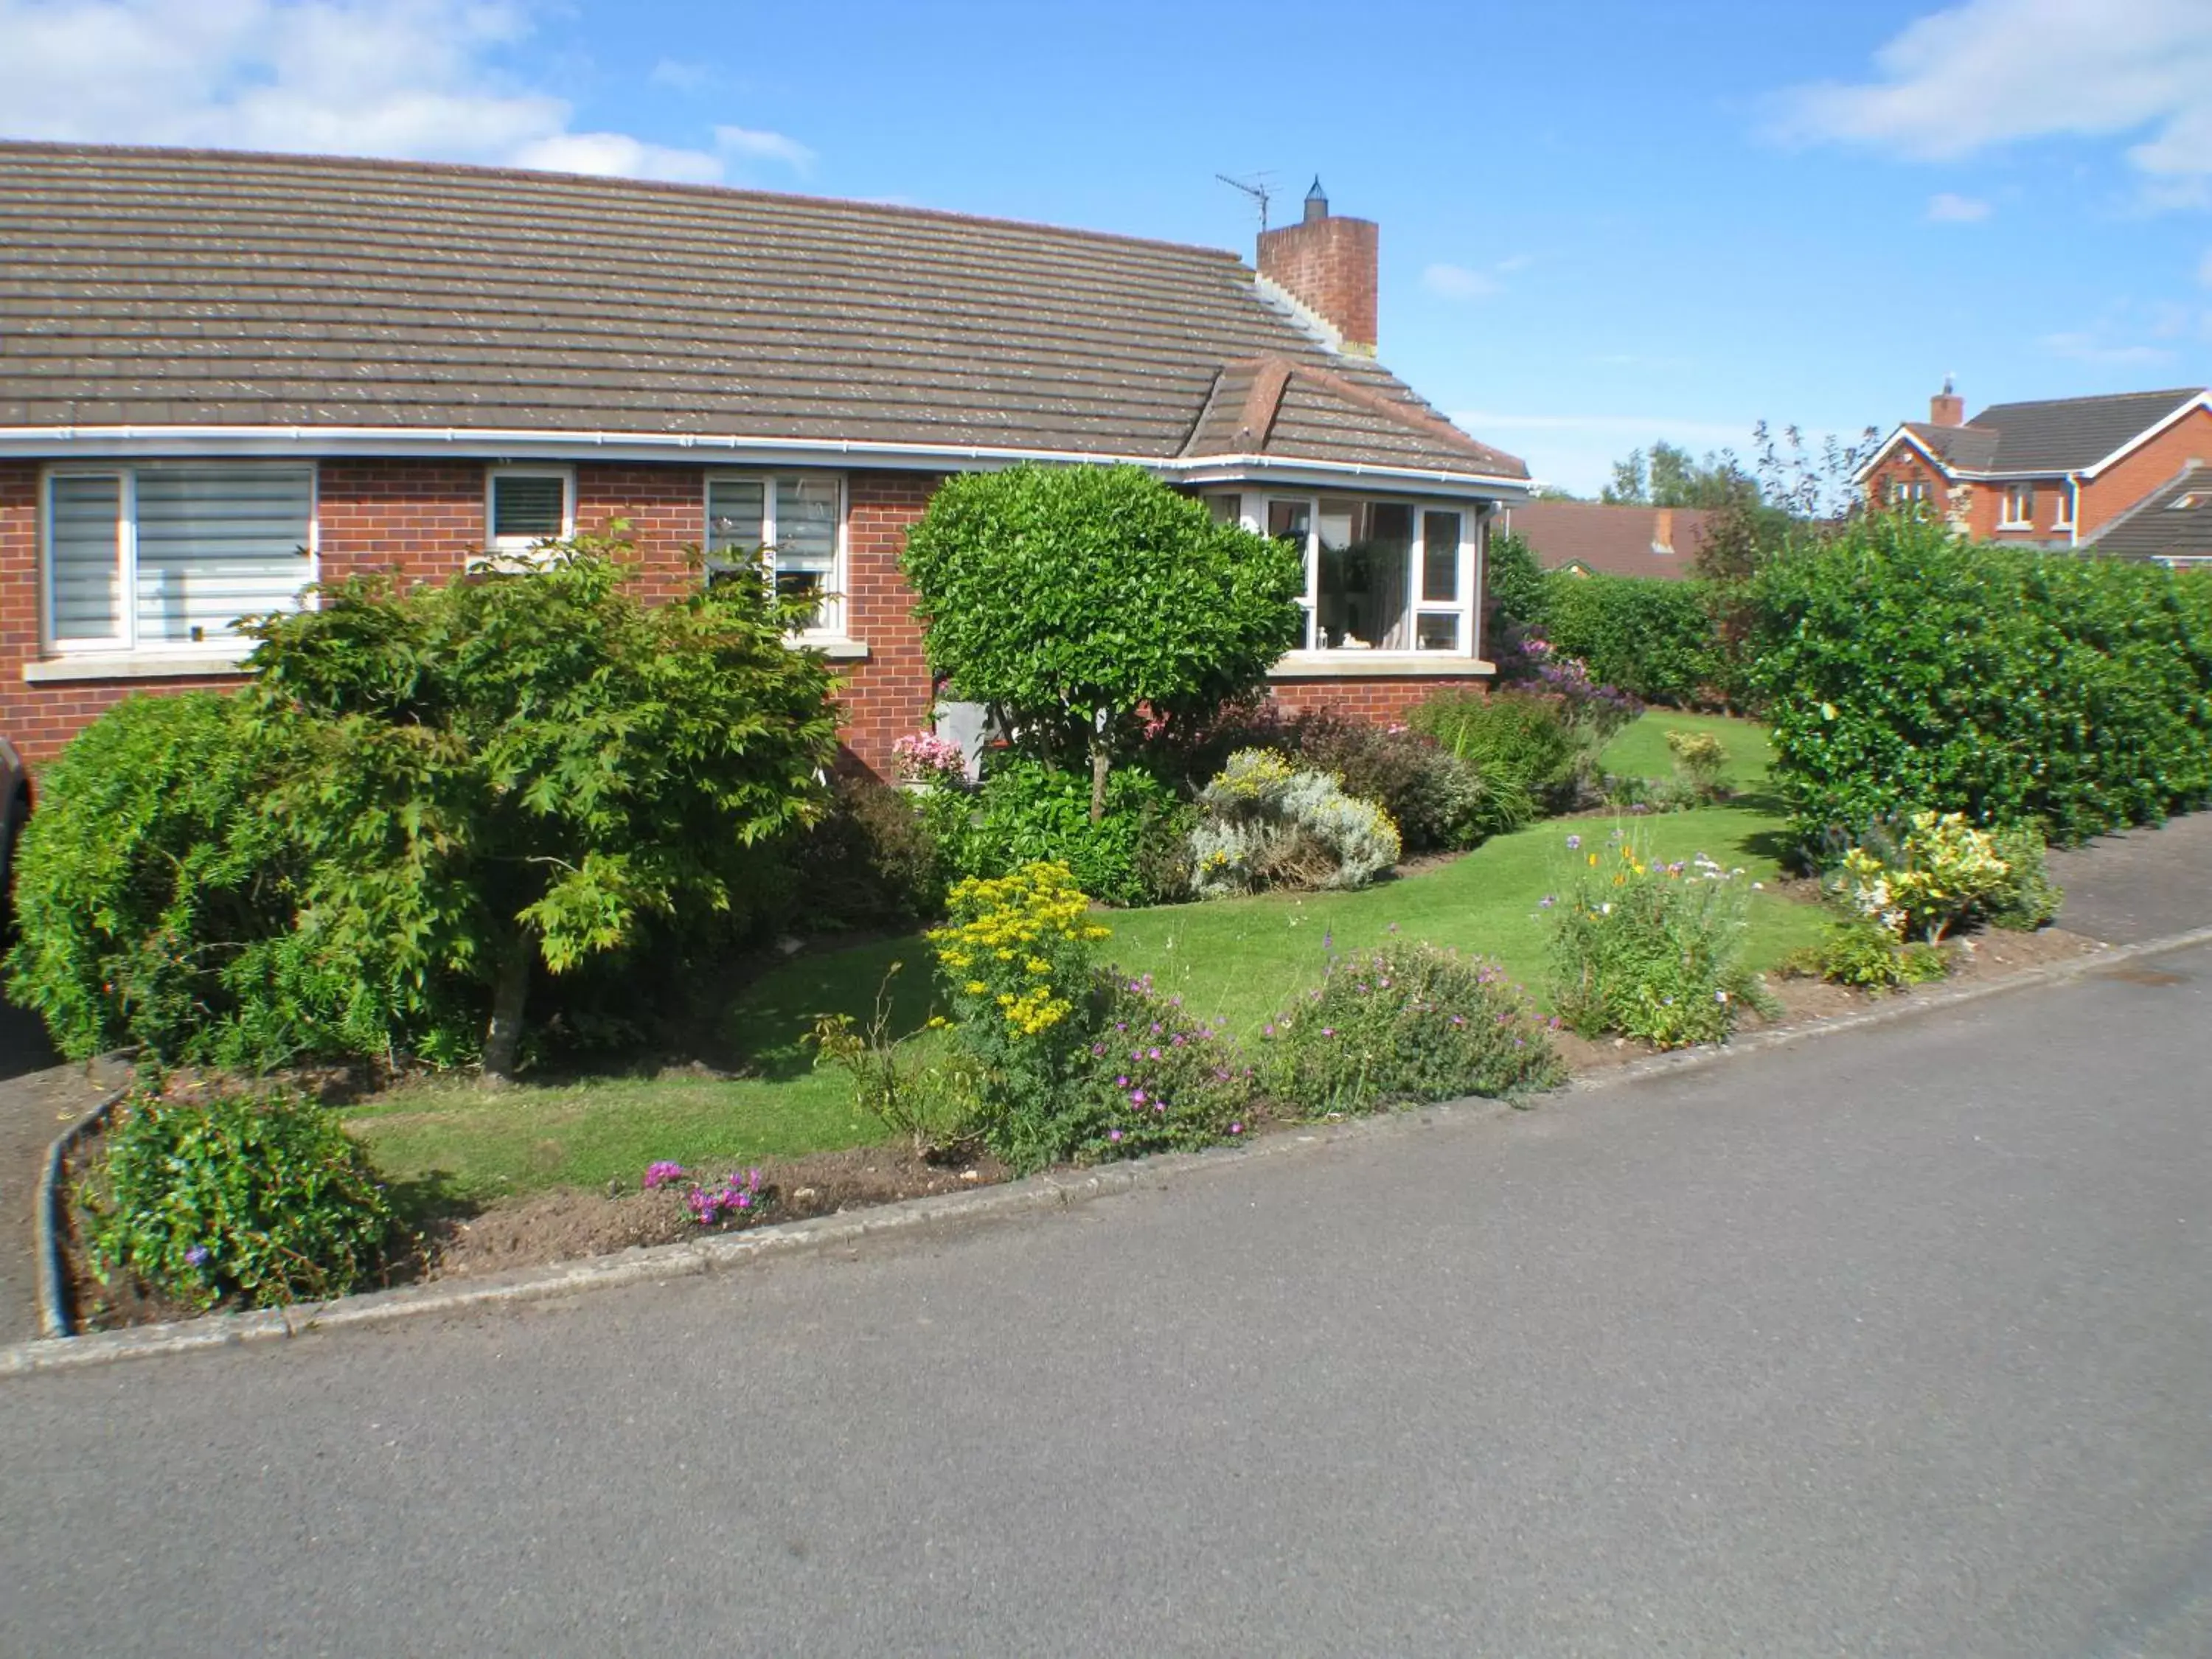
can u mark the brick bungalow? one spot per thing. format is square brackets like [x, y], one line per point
[225, 376]
[2056, 474]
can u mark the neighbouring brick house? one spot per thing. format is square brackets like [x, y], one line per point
[224, 376]
[1615, 541]
[2061, 473]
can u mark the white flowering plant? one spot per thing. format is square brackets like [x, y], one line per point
[1650, 948]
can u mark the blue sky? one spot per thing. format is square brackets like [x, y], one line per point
[1602, 222]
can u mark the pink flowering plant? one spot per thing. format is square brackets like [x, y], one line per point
[737, 1197]
[1157, 1080]
[925, 757]
[1405, 1022]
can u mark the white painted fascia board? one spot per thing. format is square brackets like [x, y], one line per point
[1904, 435]
[501, 444]
[2202, 400]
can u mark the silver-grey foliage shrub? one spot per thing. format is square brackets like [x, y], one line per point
[1263, 824]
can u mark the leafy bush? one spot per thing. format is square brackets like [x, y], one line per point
[1701, 758]
[1518, 591]
[1405, 1023]
[1903, 669]
[1522, 743]
[874, 859]
[1073, 598]
[1860, 953]
[1652, 638]
[1028, 811]
[1650, 950]
[1937, 872]
[508, 777]
[1262, 823]
[153, 892]
[1015, 962]
[263, 1199]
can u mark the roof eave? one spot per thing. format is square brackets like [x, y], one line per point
[187, 441]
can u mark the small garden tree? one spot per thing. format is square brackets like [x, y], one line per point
[518, 769]
[1069, 599]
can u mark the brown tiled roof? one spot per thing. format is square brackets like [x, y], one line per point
[1619, 541]
[174, 288]
[2055, 434]
[2174, 521]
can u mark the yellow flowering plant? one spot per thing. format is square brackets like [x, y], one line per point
[1939, 873]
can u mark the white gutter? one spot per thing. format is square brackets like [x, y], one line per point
[48, 443]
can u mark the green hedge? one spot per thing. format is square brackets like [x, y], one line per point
[1903, 668]
[1649, 637]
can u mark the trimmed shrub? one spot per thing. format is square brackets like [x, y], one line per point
[1262, 823]
[256, 1198]
[1936, 873]
[873, 861]
[1904, 669]
[1405, 1023]
[1651, 638]
[1650, 950]
[153, 894]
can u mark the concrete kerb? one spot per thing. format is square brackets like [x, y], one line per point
[53, 1289]
[1050, 1191]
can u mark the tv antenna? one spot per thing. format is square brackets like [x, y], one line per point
[1256, 187]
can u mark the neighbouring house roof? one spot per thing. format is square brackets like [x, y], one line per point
[2052, 435]
[2174, 521]
[143, 288]
[1619, 541]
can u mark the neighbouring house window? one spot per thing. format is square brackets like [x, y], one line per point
[1910, 492]
[2062, 515]
[2018, 507]
[792, 522]
[1225, 509]
[1381, 575]
[524, 506]
[166, 557]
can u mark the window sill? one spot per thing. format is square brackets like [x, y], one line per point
[1376, 664]
[140, 665]
[834, 647]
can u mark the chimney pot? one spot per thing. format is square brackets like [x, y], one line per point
[1316, 201]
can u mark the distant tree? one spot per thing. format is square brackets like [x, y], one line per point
[1668, 475]
[1545, 492]
[1807, 483]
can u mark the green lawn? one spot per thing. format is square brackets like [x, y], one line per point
[1241, 959]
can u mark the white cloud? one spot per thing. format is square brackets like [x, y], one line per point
[1945, 209]
[408, 79]
[753, 146]
[1990, 72]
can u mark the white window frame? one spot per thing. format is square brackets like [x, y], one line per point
[830, 619]
[231, 646]
[507, 548]
[1472, 520]
[2008, 504]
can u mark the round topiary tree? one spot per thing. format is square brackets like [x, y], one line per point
[1070, 599]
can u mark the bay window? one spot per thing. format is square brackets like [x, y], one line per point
[166, 557]
[793, 524]
[1382, 575]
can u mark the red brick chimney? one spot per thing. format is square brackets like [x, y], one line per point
[1947, 408]
[1328, 266]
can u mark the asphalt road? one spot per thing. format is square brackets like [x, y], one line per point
[1896, 1343]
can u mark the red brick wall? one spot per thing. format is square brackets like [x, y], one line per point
[1380, 701]
[424, 519]
[2112, 493]
[889, 695]
[1330, 265]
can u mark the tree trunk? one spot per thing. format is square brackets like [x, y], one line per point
[1099, 763]
[509, 992]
